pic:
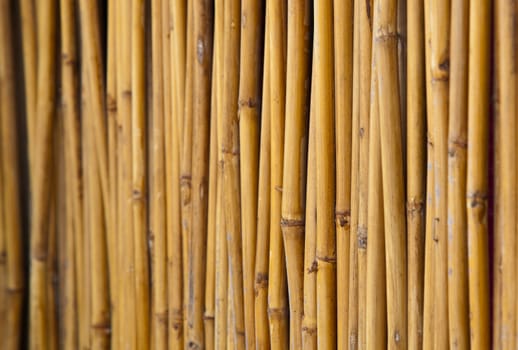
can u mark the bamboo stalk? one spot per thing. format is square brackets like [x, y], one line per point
[392, 169]
[415, 174]
[139, 176]
[231, 176]
[3, 255]
[262, 334]
[376, 302]
[277, 303]
[365, 48]
[12, 230]
[157, 187]
[457, 143]
[295, 144]
[41, 179]
[343, 42]
[174, 237]
[325, 179]
[352, 306]
[248, 110]
[477, 182]
[309, 320]
[126, 252]
[505, 17]
[200, 169]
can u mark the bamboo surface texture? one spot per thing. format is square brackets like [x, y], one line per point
[246, 174]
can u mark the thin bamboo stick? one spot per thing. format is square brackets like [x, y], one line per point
[309, 320]
[457, 143]
[139, 174]
[262, 334]
[41, 179]
[277, 303]
[3, 255]
[376, 299]
[392, 169]
[14, 276]
[252, 12]
[343, 36]
[200, 169]
[415, 174]
[325, 178]
[52, 316]
[505, 17]
[231, 176]
[295, 144]
[477, 182]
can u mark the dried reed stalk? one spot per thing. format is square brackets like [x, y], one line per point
[392, 170]
[277, 284]
[343, 42]
[457, 143]
[252, 31]
[325, 178]
[505, 18]
[477, 182]
[40, 184]
[415, 174]
[295, 145]
[262, 334]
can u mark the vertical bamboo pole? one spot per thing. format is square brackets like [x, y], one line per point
[505, 17]
[3, 257]
[139, 176]
[365, 52]
[392, 169]
[248, 109]
[41, 179]
[174, 236]
[376, 302]
[343, 42]
[457, 143]
[415, 174]
[262, 335]
[14, 279]
[295, 144]
[309, 320]
[277, 303]
[477, 182]
[200, 169]
[230, 149]
[325, 179]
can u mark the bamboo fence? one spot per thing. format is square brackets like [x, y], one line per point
[258, 174]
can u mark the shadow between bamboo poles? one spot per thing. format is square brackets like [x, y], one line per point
[376, 298]
[350, 333]
[477, 182]
[186, 160]
[252, 31]
[262, 334]
[295, 144]
[415, 174]
[3, 256]
[365, 47]
[41, 178]
[505, 24]
[11, 209]
[439, 70]
[325, 149]
[309, 320]
[392, 169]
[174, 241]
[203, 18]
[458, 316]
[343, 43]
[231, 158]
[139, 178]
